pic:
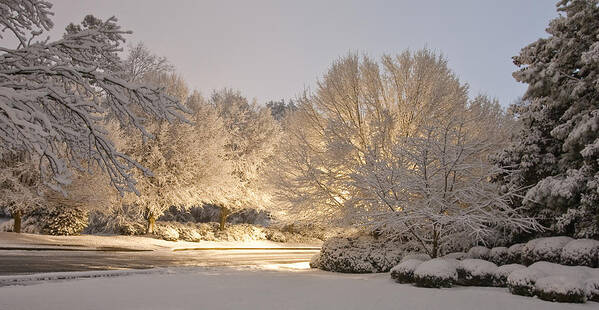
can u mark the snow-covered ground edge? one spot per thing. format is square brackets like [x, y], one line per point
[71, 275]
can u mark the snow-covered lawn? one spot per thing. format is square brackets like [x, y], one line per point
[24, 240]
[270, 287]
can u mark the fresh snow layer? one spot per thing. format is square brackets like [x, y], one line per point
[477, 267]
[560, 284]
[407, 266]
[581, 252]
[223, 288]
[418, 256]
[438, 267]
[505, 270]
[478, 252]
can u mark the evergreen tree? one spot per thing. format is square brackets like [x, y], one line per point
[555, 154]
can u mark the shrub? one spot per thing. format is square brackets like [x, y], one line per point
[476, 272]
[514, 253]
[550, 249]
[503, 272]
[528, 252]
[188, 233]
[560, 289]
[478, 252]
[522, 281]
[456, 255]
[404, 272]
[58, 220]
[592, 288]
[581, 252]
[436, 273]
[499, 256]
[166, 231]
[7, 225]
[61, 220]
[275, 235]
[359, 254]
[131, 228]
[418, 256]
[315, 261]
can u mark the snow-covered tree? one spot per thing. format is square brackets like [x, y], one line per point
[252, 137]
[554, 156]
[359, 108]
[436, 184]
[398, 145]
[21, 188]
[280, 109]
[187, 160]
[55, 95]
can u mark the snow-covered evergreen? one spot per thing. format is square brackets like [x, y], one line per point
[554, 155]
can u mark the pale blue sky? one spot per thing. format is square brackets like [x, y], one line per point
[274, 49]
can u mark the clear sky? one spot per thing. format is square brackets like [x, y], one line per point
[275, 49]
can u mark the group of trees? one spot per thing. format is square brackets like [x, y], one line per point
[83, 127]
[56, 101]
[396, 144]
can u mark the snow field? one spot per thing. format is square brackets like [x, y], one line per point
[224, 288]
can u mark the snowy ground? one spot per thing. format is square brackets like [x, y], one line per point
[270, 287]
[127, 242]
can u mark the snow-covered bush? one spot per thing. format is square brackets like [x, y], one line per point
[522, 281]
[132, 228]
[528, 252]
[361, 254]
[64, 221]
[476, 272]
[404, 272]
[166, 232]
[7, 225]
[581, 252]
[549, 249]
[52, 221]
[206, 230]
[499, 255]
[315, 261]
[275, 235]
[188, 232]
[456, 255]
[241, 232]
[419, 256]
[438, 272]
[121, 220]
[592, 288]
[561, 289]
[514, 253]
[206, 213]
[503, 272]
[478, 252]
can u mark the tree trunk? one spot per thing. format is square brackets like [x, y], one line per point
[17, 225]
[224, 213]
[151, 222]
[435, 245]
